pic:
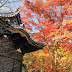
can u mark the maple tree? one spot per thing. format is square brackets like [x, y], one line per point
[49, 22]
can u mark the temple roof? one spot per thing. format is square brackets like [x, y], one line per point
[9, 14]
[24, 44]
[19, 36]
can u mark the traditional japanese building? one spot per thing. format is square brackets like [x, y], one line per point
[13, 36]
[11, 25]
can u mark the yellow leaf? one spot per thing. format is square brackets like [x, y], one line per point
[67, 21]
[70, 8]
[64, 58]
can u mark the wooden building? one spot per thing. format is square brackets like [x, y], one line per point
[12, 37]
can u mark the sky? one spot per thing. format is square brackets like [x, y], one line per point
[44, 0]
[14, 5]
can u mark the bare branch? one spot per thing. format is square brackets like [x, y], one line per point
[3, 4]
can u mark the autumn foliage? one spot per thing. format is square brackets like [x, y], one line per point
[49, 22]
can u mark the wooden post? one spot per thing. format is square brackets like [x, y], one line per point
[10, 59]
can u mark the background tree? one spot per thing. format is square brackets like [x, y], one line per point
[49, 22]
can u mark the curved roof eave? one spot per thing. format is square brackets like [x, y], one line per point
[9, 14]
